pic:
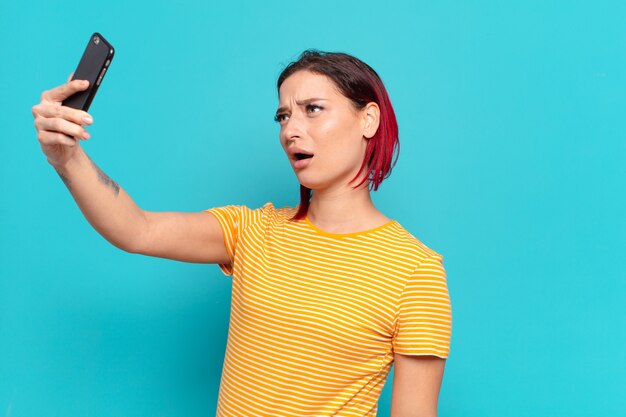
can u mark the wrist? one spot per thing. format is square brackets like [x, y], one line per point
[69, 164]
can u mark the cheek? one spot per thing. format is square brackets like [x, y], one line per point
[336, 130]
[338, 139]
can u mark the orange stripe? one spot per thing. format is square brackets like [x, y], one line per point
[317, 316]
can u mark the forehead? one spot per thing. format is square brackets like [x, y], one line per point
[305, 84]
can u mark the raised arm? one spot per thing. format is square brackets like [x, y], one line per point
[190, 237]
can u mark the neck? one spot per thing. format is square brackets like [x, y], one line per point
[342, 208]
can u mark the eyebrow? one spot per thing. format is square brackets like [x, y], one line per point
[300, 103]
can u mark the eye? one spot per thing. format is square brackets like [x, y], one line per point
[281, 118]
[313, 108]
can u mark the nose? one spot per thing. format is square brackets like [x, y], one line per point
[291, 129]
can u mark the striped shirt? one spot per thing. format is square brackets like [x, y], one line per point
[316, 317]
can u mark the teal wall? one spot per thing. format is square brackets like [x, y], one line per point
[512, 166]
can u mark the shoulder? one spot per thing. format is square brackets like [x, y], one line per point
[414, 247]
[268, 216]
[242, 217]
[280, 214]
[266, 210]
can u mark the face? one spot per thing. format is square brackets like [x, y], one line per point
[316, 119]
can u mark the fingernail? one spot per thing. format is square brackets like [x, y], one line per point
[88, 120]
[86, 135]
[85, 82]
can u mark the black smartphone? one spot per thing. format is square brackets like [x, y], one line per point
[92, 67]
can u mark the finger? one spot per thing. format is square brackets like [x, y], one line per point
[49, 110]
[70, 77]
[62, 92]
[47, 138]
[61, 126]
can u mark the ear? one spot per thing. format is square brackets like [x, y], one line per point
[371, 119]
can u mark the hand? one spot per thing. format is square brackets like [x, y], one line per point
[59, 128]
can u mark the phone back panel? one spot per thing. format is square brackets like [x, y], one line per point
[92, 67]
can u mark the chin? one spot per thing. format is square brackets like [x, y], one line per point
[314, 182]
[317, 184]
[308, 182]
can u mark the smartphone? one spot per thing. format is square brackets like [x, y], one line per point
[92, 67]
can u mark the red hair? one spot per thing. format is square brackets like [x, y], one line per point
[358, 82]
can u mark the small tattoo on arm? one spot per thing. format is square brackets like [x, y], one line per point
[66, 180]
[104, 178]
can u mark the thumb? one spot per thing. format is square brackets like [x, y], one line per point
[60, 93]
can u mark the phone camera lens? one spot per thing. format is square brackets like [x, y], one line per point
[96, 40]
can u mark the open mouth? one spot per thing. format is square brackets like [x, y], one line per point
[300, 156]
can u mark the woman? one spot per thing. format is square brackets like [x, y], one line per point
[326, 295]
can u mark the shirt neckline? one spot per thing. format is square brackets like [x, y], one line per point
[344, 235]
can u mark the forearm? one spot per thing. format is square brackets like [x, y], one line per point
[105, 205]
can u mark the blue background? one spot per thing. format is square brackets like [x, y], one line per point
[512, 166]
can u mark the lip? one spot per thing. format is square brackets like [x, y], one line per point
[293, 151]
[301, 163]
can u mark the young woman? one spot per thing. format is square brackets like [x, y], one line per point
[326, 295]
